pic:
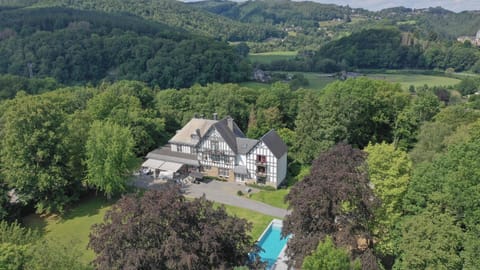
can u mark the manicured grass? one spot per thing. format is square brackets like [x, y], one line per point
[274, 198]
[259, 221]
[73, 229]
[416, 80]
[268, 57]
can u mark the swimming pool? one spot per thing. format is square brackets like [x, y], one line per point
[272, 243]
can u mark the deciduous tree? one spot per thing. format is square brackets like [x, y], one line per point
[109, 157]
[163, 230]
[334, 199]
[33, 154]
[328, 257]
[389, 170]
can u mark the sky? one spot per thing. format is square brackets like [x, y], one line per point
[454, 5]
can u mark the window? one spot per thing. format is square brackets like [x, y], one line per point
[215, 158]
[214, 145]
[223, 172]
[261, 159]
[179, 148]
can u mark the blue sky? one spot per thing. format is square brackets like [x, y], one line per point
[455, 5]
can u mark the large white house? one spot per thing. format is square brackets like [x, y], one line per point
[211, 147]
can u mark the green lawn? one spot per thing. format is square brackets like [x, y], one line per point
[416, 80]
[73, 229]
[268, 57]
[274, 198]
[259, 221]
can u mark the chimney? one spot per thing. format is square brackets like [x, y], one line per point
[230, 123]
[197, 131]
[215, 116]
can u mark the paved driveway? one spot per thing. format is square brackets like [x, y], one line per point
[221, 192]
[226, 193]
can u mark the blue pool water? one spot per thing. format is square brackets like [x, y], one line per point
[272, 244]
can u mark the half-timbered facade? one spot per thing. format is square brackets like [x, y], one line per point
[219, 148]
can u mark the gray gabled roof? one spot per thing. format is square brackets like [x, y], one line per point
[229, 135]
[184, 135]
[274, 143]
[244, 145]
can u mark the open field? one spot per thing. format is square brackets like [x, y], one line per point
[268, 57]
[254, 85]
[318, 81]
[73, 229]
[407, 79]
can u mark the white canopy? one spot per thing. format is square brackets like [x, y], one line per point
[170, 166]
[152, 163]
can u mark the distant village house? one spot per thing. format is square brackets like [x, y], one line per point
[475, 40]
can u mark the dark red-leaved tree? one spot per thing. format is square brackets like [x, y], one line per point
[334, 199]
[163, 230]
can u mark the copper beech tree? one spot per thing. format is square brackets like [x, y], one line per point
[334, 199]
[163, 230]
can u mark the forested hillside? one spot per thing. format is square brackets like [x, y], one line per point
[284, 13]
[170, 12]
[382, 48]
[87, 46]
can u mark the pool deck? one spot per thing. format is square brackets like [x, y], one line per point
[281, 262]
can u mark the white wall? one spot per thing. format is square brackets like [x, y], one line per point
[205, 146]
[262, 149]
[281, 169]
[241, 160]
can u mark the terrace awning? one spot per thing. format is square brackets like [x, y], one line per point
[170, 166]
[152, 163]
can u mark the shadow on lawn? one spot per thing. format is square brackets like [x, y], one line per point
[87, 206]
[36, 223]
